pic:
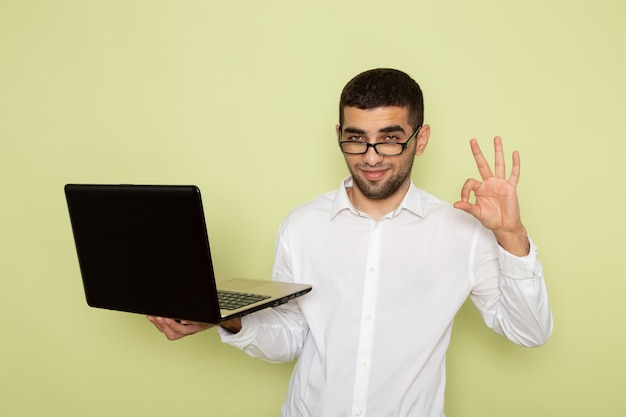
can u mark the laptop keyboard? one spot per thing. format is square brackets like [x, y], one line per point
[234, 300]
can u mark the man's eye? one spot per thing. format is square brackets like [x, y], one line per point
[391, 138]
[356, 139]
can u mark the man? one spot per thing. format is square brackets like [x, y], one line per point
[390, 266]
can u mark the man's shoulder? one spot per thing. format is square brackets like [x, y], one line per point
[437, 209]
[428, 202]
[320, 205]
[309, 217]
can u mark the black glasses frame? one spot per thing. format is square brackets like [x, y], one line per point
[374, 145]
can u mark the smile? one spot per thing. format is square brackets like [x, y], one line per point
[374, 175]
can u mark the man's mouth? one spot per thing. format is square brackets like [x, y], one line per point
[374, 175]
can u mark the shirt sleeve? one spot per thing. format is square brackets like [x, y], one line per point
[510, 293]
[275, 334]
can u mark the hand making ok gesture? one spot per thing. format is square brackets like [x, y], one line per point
[496, 205]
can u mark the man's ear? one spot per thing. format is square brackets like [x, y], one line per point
[422, 140]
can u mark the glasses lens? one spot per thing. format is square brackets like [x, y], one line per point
[353, 147]
[389, 149]
[384, 149]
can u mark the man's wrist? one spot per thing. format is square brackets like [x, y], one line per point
[233, 326]
[516, 243]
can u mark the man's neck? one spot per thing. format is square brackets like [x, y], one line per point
[376, 208]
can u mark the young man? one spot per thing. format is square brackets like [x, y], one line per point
[390, 266]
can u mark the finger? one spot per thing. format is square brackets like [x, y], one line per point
[481, 163]
[471, 185]
[499, 155]
[170, 328]
[468, 207]
[175, 330]
[515, 171]
[157, 323]
[188, 322]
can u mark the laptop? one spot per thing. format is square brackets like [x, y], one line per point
[145, 249]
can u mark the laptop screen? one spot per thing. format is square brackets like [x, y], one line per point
[144, 249]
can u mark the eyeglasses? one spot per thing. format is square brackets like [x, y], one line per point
[355, 147]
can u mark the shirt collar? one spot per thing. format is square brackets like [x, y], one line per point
[412, 201]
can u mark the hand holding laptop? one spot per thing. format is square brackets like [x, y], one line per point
[174, 329]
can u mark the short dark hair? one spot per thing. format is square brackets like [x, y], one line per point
[383, 87]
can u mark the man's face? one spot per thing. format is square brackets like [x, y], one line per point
[379, 177]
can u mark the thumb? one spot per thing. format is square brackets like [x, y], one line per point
[468, 207]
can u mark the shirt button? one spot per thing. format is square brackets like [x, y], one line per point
[373, 270]
[358, 414]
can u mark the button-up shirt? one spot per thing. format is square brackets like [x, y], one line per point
[371, 337]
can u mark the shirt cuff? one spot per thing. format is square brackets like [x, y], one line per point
[245, 337]
[520, 267]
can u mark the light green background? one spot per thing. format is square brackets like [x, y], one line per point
[240, 98]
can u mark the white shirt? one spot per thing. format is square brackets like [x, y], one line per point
[371, 337]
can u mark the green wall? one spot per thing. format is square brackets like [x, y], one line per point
[240, 98]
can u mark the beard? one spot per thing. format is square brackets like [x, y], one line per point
[385, 189]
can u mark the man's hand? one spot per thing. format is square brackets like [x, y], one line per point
[496, 205]
[175, 330]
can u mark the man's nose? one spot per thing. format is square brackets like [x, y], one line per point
[370, 157]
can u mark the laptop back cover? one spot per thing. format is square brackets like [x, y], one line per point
[148, 240]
